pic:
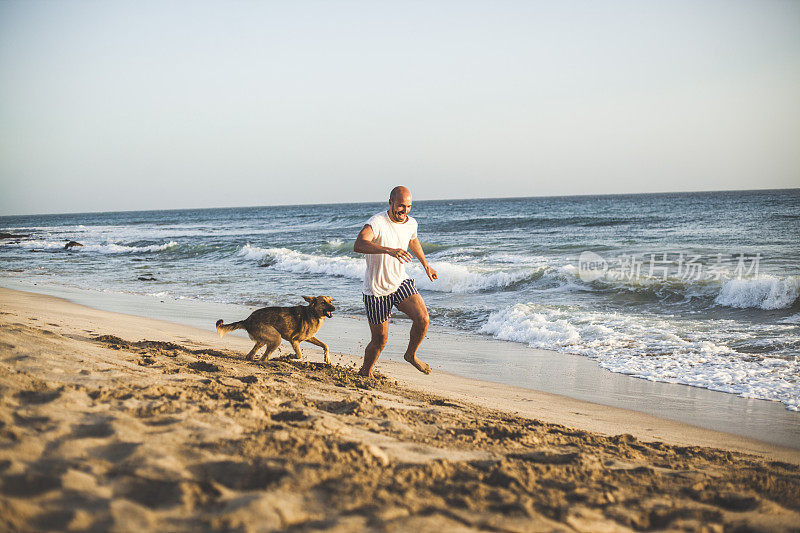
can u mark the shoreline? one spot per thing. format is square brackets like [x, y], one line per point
[581, 414]
[117, 422]
[572, 379]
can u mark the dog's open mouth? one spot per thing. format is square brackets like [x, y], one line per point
[328, 314]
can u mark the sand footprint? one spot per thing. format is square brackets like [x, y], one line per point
[115, 452]
[237, 475]
[203, 366]
[35, 422]
[152, 493]
[37, 397]
[29, 483]
[93, 430]
[162, 421]
[290, 416]
[58, 520]
[550, 457]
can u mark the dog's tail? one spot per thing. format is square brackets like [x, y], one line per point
[222, 329]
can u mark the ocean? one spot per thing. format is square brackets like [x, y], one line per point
[701, 289]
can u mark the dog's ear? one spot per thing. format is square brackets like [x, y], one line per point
[309, 299]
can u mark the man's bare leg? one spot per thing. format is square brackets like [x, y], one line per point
[414, 307]
[380, 332]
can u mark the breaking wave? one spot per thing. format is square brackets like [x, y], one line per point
[453, 278]
[513, 272]
[766, 292]
[763, 292]
[293, 261]
[105, 248]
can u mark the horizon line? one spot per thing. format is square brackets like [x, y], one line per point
[378, 201]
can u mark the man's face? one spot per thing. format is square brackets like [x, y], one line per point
[399, 207]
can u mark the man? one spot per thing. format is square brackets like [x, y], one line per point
[386, 239]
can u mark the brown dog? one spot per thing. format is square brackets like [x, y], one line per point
[296, 324]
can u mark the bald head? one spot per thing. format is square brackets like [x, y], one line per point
[399, 192]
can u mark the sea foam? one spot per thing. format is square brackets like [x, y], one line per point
[648, 347]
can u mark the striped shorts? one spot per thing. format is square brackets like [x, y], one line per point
[380, 307]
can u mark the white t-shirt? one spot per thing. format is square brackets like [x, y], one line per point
[384, 272]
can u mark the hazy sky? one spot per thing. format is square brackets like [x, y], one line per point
[157, 104]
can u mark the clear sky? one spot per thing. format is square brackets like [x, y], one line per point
[133, 105]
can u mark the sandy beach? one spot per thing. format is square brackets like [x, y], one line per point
[116, 422]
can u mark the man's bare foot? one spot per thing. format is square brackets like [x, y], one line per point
[423, 367]
[366, 374]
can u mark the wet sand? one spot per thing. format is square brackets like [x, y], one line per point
[116, 422]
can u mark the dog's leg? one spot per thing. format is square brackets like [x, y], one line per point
[314, 340]
[296, 346]
[256, 348]
[272, 345]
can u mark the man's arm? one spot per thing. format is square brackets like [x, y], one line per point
[416, 249]
[364, 245]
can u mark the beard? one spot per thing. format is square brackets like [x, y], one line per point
[398, 216]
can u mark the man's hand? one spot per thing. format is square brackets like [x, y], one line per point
[416, 248]
[400, 254]
[432, 274]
